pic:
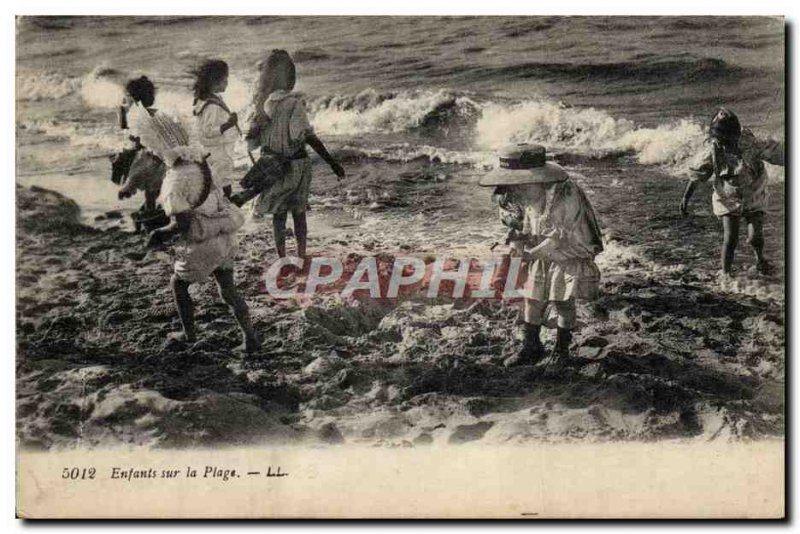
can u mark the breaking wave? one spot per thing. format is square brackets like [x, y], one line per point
[103, 89]
[586, 131]
[405, 152]
[372, 112]
[95, 139]
[486, 122]
[37, 85]
[495, 124]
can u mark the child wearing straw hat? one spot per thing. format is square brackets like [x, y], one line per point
[203, 220]
[554, 227]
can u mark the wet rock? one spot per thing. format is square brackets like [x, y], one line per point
[324, 365]
[391, 427]
[26, 327]
[345, 378]
[423, 439]
[589, 353]
[42, 210]
[329, 433]
[346, 320]
[467, 433]
[382, 393]
[478, 407]
[595, 341]
[116, 317]
[248, 398]
[219, 418]
[591, 370]
[49, 365]
[326, 402]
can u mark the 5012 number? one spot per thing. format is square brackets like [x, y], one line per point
[77, 473]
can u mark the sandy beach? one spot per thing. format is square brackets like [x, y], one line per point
[415, 110]
[667, 352]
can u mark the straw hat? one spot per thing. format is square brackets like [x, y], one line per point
[524, 164]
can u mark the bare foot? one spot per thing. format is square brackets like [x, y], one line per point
[725, 276]
[180, 337]
[764, 267]
[248, 347]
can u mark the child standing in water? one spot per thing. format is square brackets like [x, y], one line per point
[280, 126]
[217, 127]
[735, 160]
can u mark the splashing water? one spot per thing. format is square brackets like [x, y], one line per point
[492, 123]
[371, 112]
[587, 130]
[36, 85]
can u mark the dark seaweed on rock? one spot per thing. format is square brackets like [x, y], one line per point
[42, 210]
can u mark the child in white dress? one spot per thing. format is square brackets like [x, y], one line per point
[216, 125]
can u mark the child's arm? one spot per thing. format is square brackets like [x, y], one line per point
[702, 169]
[314, 142]
[178, 225]
[255, 124]
[232, 122]
[548, 245]
[123, 118]
[123, 111]
[687, 196]
[771, 151]
[300, 128]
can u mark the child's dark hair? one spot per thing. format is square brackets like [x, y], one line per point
[206, 75]
[142, 90]
[725, 127]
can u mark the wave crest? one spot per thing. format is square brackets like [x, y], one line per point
[372, 112]
[586, 131]
[37, 85]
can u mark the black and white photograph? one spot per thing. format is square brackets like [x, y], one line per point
[398, 235]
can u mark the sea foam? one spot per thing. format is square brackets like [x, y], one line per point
[36, 85]
[373, 112]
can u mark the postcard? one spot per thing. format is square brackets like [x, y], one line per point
[511, 267]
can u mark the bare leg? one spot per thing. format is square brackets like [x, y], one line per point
[150, 200]
[566, 314]
[755, 236]
[238, 307]
[300, 232]
[183, 302]
[279, 233]
[730, 230]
